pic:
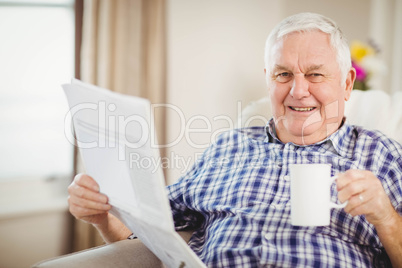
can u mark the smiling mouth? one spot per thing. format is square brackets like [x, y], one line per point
[302, 109]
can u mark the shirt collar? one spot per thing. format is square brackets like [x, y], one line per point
[271, 132]
[341, 140]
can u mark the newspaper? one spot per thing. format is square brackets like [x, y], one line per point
[110, 128]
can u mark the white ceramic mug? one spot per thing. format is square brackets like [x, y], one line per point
[310, 191]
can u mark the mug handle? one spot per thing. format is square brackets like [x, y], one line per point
[335, 205]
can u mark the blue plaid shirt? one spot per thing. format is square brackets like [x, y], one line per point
[237, 198]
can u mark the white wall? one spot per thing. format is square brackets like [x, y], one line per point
[351, 16]
[215, 60]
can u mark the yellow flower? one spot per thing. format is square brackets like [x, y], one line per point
[359, 50]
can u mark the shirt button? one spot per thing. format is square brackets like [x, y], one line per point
[268, 236]
[286, 178]
[289, 146]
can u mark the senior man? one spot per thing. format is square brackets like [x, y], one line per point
[239, 210]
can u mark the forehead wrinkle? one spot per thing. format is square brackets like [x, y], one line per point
[314, 67]
[279, 67]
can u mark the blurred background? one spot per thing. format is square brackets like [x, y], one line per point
[200, 62]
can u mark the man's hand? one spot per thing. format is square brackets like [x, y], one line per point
[366, 196]
[85, 201]
[88, 204]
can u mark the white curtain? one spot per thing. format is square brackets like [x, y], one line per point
[386, 30]
[123, 49]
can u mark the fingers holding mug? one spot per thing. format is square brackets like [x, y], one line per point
[351, 186]
[365, 194]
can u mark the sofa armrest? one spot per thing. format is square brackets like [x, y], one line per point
[125, 253]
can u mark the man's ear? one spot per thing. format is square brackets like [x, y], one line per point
[265, 75]
[350, 80]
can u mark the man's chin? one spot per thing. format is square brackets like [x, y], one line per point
[304, 136]
[302, 131]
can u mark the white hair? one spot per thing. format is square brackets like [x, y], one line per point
[307, 22]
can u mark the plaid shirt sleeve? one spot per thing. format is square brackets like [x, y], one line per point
[184, 217]
[391, 177]
[396, 198]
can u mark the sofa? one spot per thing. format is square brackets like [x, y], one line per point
[373, 109]
[122, 254]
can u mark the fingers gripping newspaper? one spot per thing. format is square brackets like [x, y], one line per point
[113, 132]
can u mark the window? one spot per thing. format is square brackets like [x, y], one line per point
[37, 56]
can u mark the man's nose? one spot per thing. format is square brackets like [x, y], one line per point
[300, 87]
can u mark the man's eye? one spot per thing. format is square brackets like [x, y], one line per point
[315, 77]
[283, 77]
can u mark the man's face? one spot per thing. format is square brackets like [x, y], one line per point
[306, 91]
